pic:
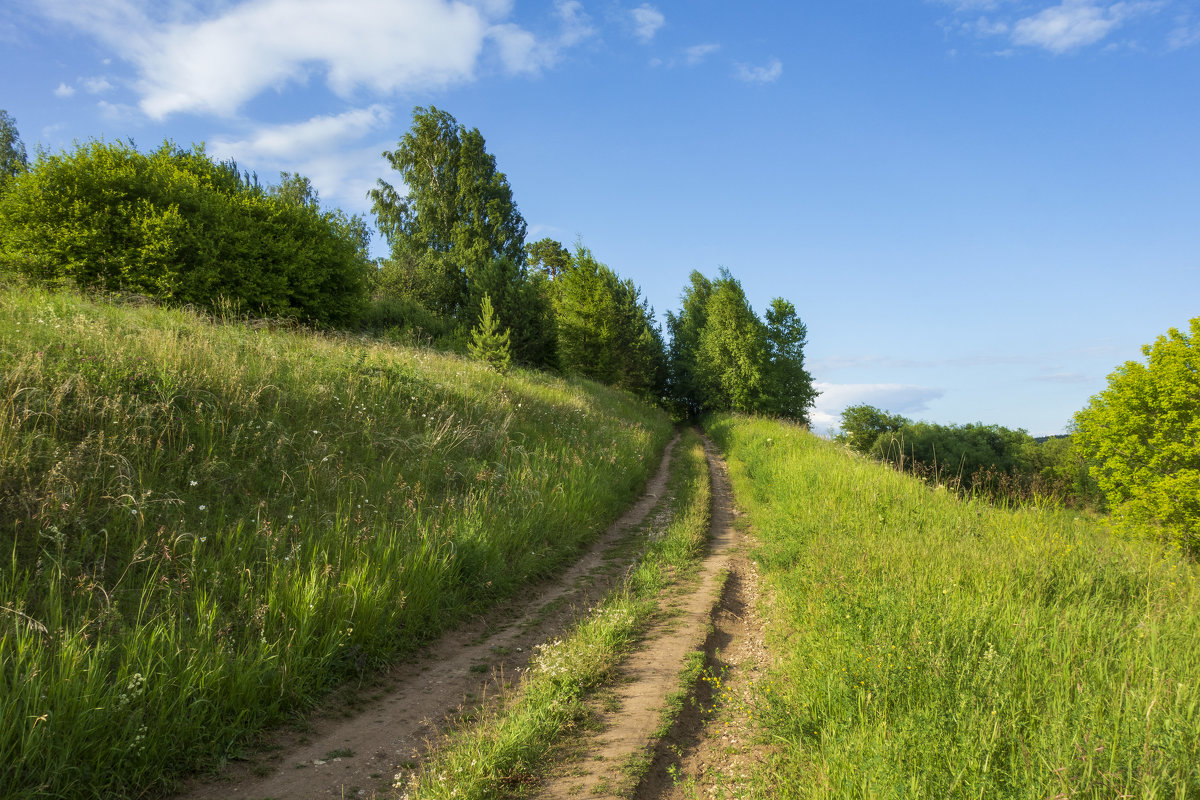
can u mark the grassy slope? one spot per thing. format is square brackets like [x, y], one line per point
[929, 647]
[202, 527]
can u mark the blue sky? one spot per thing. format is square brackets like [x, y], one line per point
[979, 207]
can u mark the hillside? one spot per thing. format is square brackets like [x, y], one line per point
[206, 524]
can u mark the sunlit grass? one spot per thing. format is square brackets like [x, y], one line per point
[508, 748]
[205, 526]
[932, 647]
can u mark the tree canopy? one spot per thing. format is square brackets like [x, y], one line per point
[13, 160]
[723, 357]
[1142, 436]
[176, 225]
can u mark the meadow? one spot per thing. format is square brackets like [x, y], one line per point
[205, 524]
[932, 646]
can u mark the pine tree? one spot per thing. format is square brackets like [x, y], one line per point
[487, 344]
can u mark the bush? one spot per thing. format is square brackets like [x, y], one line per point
[1142, 435]
[175, 225]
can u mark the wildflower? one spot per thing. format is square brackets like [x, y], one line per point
[203, 508]
[193, 483]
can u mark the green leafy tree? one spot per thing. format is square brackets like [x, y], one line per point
[458, 206]
[605, 330]
[13, 160]
[1142, 437]
[488, 344]
[683, 381]
[549, 257]
[731, 355]
[863, 424]
[789, 388]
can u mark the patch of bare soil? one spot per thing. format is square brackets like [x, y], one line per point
[612, 761]
[711, 747]
[363, 736]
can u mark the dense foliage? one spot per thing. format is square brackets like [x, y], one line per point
[13, 160]
[175, 225]
[989, 458]
[1142, 436]
[722, 357]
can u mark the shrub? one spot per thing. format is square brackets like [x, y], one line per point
[175, 225]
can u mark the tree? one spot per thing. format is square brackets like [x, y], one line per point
[1142, 437]
[487, 343]
[458, 203]
[732, 350]
[13, 160]
[549, 257]
[863, 424]
[175, 225]
[683, 382]
[789, 388]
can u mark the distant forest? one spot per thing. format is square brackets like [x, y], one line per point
[176, 225]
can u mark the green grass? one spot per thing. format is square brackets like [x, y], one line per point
[932, 647]
[509, 747]
[203, 527]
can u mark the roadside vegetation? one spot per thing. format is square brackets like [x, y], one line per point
[932, 646]
[509, 746]
[205, 524]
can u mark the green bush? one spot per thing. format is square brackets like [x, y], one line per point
[1142, 435]
[175, 225]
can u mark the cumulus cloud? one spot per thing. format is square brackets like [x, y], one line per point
[764, 74]
[216, 58]
[646, 21]
[64, 91]
[313, 135]
[96, 85]
[896, 398]
[329, 150]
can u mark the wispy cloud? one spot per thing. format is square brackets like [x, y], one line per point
[1059, 28]
[96, 85]
[646, 21]
[768, 73]
[1185, 34]
[64, 90]
[215, 59]
[897, 398]
[326, 149]
[697, 53]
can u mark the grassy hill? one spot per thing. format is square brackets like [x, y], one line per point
[932, 647]
[204, 525]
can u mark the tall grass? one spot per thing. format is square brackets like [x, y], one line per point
[204, 526]
[510, 746]
[929, 646]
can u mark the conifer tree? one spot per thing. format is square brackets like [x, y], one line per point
[487, 343]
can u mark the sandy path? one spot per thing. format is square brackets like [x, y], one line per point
[627, 733]
[358, 754]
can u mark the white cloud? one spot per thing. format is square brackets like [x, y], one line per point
[96, 85]
[220, 56]
[325, 149]
[64, 91]
[646, 21]
[764, 74]
[1184, 35]
[522, 52]
[1075, 23]
[317, 134]
[895, 398]
[698, 52]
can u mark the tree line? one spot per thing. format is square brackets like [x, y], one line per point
[177, 225]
